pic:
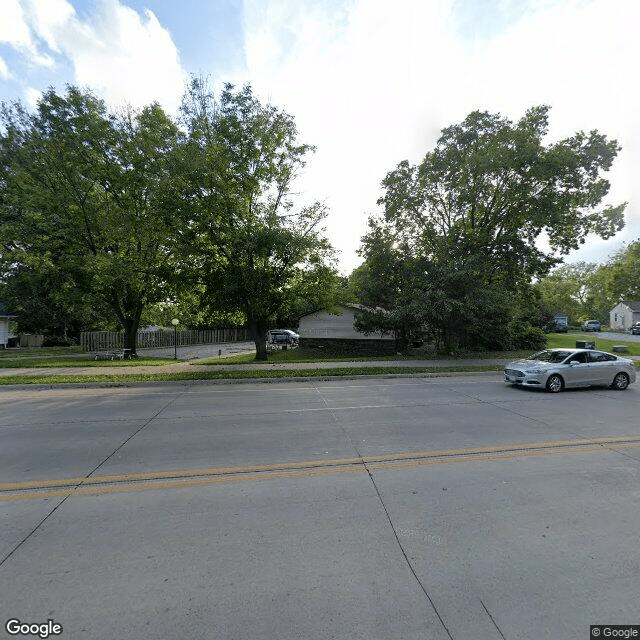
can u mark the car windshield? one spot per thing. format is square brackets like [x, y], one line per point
[549, 356]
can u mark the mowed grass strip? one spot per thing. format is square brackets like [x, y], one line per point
[294, 356]
[53, 362]
[124, 378]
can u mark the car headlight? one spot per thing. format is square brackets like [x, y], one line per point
[537, 371]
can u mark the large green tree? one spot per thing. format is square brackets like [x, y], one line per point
[252, 248]
[471, 216]
[88, 197]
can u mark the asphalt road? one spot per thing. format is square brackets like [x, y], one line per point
[374, 509]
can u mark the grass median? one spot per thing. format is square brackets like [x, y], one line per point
[124, 378]
[54, 363]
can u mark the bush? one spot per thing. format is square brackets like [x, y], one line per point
[524, 336]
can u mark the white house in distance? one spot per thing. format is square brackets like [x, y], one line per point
[624, 314]
[4, 326]
[334, 331]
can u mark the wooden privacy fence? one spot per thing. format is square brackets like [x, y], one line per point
[100, 340]
[31, 340]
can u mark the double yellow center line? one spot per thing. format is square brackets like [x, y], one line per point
[171, 479]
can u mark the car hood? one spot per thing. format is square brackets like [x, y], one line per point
[524, 363]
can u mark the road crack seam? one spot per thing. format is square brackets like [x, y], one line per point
[388, 515]
[495, 624]
[79, 484]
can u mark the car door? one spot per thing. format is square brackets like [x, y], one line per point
[577, 372]
[602, 367]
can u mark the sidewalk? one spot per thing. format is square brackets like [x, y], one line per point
[193, 366]
[206, 352]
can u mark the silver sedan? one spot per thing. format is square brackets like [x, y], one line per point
[555, 369]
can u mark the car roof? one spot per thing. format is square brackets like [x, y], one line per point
[574, 350]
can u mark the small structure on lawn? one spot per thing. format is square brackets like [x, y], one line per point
[624, 314]
[5, 316]
[333, 331]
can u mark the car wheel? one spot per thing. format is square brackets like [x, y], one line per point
[555, 383]
[620, 382]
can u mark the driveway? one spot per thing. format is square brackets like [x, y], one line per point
[614, 335]
[197, 351]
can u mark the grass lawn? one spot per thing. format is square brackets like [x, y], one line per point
[39, 352]
[302, 355]
[124, 378]
[565, 340]
[51, 362]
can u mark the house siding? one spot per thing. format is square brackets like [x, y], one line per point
[624, 314]
[326, 326]
[334, 333]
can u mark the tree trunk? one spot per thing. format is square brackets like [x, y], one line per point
[131, 325]
[128, 315]
[258, 331]
[130, 336]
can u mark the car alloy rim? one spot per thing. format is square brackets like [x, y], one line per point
[555, 384]
[621, 381]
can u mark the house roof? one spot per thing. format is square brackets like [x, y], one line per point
[347, 305]
[634, 305]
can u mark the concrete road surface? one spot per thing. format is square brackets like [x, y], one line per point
[405, 508]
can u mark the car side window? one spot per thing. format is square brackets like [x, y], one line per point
[598, 356]
[580, 358]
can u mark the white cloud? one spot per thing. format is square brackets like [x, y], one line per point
[126, 57]
[15, 31]
[33, 96]
[358, 88]
[372, 83]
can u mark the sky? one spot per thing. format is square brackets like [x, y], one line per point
[370, 83]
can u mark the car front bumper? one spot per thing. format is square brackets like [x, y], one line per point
[512, 376]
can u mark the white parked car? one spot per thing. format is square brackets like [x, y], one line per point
[282, 336]
[556, 369]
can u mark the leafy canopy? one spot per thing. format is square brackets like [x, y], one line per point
[465, 225]
[251, 247]
[86, 197]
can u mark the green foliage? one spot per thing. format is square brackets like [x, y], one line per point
[568, 289]
[85, 202]
[124, 217]
[252, 250]
[589, 291]
[621, 275]
[456, 245]
[47, 302]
